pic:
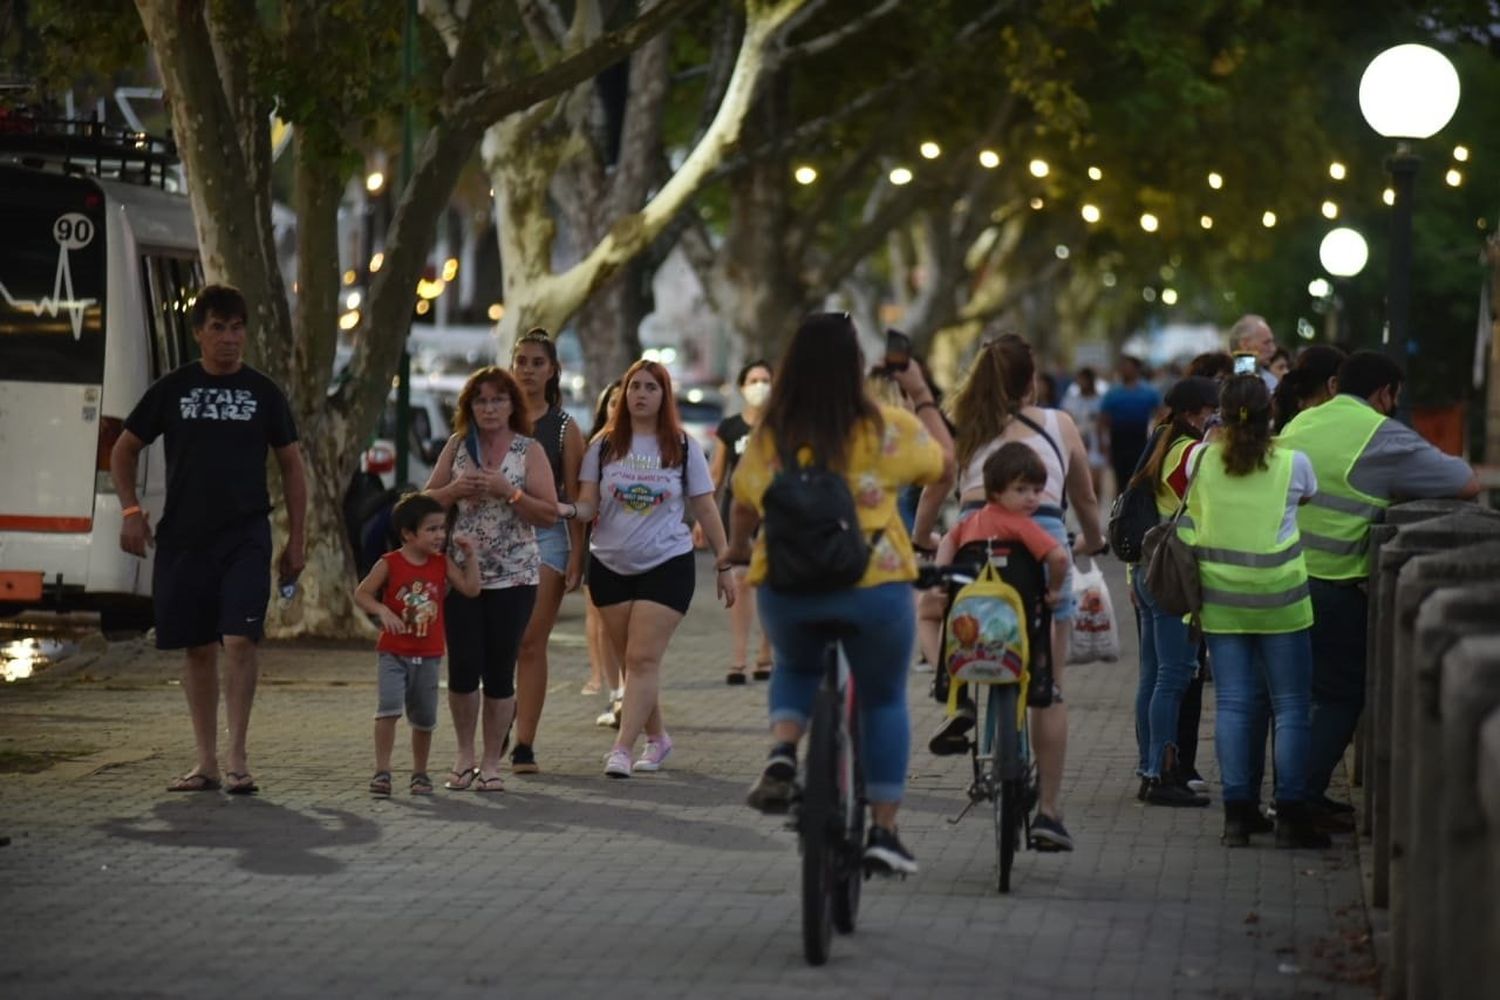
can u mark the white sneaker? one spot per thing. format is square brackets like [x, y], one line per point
[617, 763]
[655, 754]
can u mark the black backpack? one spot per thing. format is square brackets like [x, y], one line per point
[1134, 511]
[813, 539]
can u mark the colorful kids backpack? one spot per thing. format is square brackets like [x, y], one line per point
[986, 631]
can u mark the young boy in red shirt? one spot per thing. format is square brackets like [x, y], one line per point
[1014, 478]
[405, 590]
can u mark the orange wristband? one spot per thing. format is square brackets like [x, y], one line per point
[136, 509]
[517, 495]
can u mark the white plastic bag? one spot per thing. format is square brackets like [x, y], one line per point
[1096, 634]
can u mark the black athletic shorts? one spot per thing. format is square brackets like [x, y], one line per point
[202, 593]
[670, 583]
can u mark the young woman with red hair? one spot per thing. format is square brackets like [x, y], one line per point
[640, 477]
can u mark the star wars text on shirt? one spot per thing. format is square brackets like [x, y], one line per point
[201, 403]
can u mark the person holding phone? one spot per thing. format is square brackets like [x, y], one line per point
[1252, 335]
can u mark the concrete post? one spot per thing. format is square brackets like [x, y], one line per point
[1397, 516]
[1469, 869]
[1456, 597]
[1439, 534]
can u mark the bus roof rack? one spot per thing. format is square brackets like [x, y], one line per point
[83, 145]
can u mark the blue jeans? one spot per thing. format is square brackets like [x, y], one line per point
[1338, 642]
[883, 620]
[1243, 664]
[1168, 661]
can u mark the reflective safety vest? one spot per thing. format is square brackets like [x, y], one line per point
[1335, 523]
[1166, 501]
[1252, 582]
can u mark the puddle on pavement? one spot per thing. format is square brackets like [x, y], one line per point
[29, 647]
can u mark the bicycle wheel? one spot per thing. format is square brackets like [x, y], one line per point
[850, 877]
[1006, 781]
[817, 823]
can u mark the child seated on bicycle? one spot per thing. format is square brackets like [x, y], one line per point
[1013, 481]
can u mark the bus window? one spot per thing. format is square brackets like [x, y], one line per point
[171, 282]
[52, 266]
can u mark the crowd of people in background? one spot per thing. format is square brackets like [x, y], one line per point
[1270, 466]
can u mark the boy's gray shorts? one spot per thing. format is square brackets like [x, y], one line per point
[411, 681]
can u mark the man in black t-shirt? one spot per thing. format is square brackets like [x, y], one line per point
[211, 581]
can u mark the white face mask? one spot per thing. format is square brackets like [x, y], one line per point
[756, 393]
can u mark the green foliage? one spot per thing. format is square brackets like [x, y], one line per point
[85, 45]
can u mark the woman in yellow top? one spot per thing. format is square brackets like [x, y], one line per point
[818, 402]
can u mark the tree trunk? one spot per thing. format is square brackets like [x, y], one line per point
[521, 156]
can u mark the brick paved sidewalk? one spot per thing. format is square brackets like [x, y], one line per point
[572, 885]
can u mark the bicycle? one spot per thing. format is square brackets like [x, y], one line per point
[1004, 773]
[830, 813]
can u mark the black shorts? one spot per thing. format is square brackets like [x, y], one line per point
[202, 593]
[484, 638]
[671, 584]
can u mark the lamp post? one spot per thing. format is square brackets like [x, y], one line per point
[1407, 92]
[1343, 254]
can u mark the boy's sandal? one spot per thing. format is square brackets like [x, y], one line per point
[736, 675]
[461, 780]
[195, 782]
[763, 670]
[381, 783]
[420, 783]
[490, 784]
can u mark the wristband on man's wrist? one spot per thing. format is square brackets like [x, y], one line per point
[132, 509]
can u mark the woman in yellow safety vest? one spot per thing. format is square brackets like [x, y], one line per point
[1241, 520]
[1169, 654]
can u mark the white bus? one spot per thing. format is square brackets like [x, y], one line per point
[97, 271]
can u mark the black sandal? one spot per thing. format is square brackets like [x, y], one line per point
[735, 676]
[421, 784]
[380, 784]
[763, 671]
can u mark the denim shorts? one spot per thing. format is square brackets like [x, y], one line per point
[412, 682]
[1068, 609]
[1051, 521]
[555, 545]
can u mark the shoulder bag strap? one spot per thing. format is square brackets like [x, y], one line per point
[1056, 450]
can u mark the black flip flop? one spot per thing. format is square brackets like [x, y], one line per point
[762, 672]
[462, 780]
[735, 676]
[240, 784]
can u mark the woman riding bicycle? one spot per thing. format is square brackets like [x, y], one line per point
[819, 407]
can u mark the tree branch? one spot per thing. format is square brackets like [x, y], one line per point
[824, 42]
[985, 311]
[863, 241]
[494, 101]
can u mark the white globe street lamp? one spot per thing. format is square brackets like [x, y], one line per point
[1407, 92]
[1344, 253]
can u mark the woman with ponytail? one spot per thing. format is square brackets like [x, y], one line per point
[1241, 520]
[995, 405]
[1169, 654]
[535, 366]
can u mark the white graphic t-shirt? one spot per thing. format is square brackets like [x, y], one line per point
[641, 504]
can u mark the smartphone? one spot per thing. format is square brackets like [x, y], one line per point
[1245, 364]
[897, 351]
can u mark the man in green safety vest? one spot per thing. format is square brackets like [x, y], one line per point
[1364, 461]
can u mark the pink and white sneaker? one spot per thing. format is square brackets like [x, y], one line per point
[617, 763]
[655, 754]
